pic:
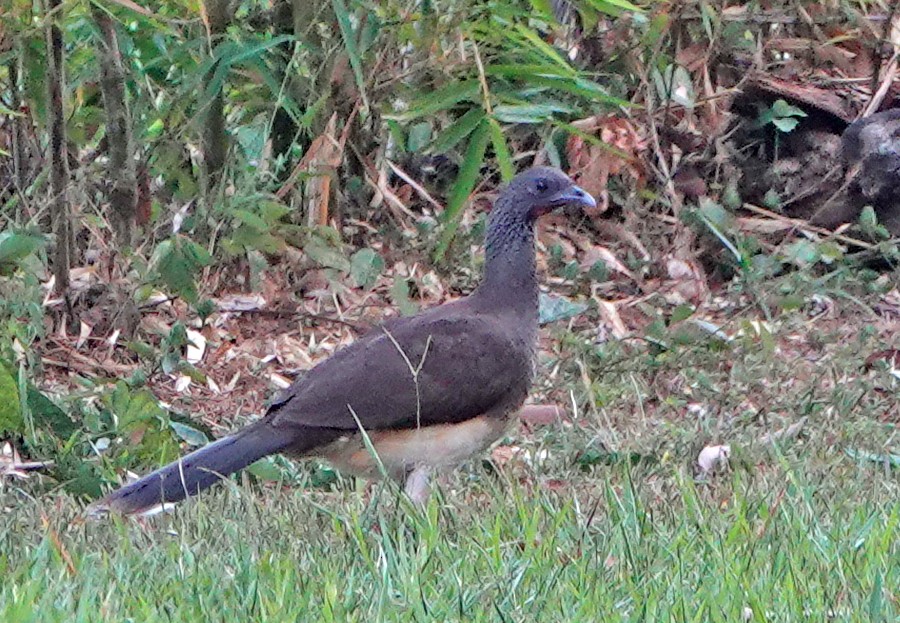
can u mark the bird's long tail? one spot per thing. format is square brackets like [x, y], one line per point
[197, 471]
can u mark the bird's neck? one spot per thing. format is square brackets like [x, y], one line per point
[510, 282]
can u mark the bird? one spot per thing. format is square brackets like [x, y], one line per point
[414, 395]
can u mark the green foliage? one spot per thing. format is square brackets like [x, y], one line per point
[868, 223]
[365, 267]
[255, 225]
[400, 297]
[47, 416]
[323, 245]
[525, 81]
[176, 263]
[781, 115]
[137, 416]
[15, 248]
[462, 187]
[675, 84]
[554, 308]
[11, 420]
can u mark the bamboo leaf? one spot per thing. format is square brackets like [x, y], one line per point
[614, 7]
[545, 48]
[526, 71]
[243, 53]
[501, 151]
[349, 37]
[442, 99]
[527, 113]
[463, 186]
[450, 136]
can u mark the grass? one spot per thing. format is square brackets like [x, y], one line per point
[601, 519]
[780, 549]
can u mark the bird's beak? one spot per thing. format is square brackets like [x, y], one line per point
[573, 196]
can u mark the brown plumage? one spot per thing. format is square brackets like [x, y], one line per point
[430, 390]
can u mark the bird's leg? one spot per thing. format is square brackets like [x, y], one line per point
[418, 485]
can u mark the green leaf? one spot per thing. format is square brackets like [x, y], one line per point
[350, 45]
[682, 312]
[614, 7]
[463, 186]
[528, 71]
[781, 109]
[868, 222]
[266, 470]
[189, 434]
[440, 100]
[48, 416]
[15, 247]
[791, 302]
[272, 211]
[781, 115]
[419, 137]
[176, 261]
[154, 130]
[830, 251]
[527, 113]
[325, 254]
[785, 124]
[365, 267]
[598, 271]
[249, 218]
[553, 308]
[867, 219]
[543, 7]
[11, 420]
[876, 599]
[400, 297]
[397, 134]
[802, 253]
[501, 152]
[230, 53]
[451, 135]
[254, 50]
[863, 455]
[715, 213]
[545, 48]
[84, 481]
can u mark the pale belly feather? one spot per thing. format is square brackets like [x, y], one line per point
[402, 450]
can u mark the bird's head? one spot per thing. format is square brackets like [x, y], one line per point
[540, 190]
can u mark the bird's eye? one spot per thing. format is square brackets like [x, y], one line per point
[540, 185]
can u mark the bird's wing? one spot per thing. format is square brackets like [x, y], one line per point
[431, 370]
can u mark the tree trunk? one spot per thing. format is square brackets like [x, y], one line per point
[284, 130]
[60, 210]
[19, 148]
[122, 172]
[215, 140]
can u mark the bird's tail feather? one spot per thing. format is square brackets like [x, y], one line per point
[195, 472]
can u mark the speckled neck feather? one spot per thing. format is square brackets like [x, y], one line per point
[509, 279]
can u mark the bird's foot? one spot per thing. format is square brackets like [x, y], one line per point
[418, 484]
